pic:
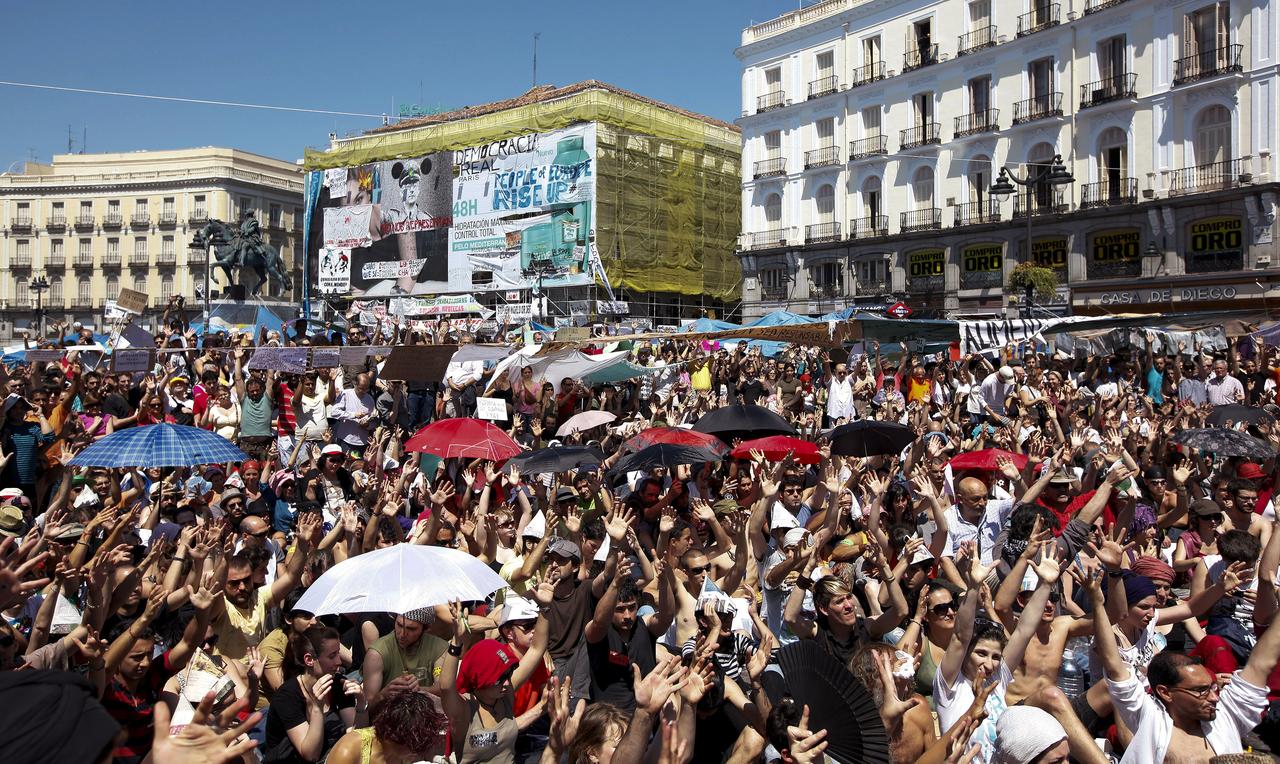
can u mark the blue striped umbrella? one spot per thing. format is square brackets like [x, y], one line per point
[159, 445]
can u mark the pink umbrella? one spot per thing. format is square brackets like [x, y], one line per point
[585, 421]
[471, 438]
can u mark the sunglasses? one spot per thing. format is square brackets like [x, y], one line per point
[942, 608]
[793, 490]
[699, 569]
[1214, 518]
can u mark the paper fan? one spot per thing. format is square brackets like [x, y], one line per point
[837, 702]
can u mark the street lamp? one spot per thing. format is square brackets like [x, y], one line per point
[38, 285]
[200, 243]
[1055, 174]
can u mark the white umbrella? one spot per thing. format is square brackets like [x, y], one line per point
[400, 579]
[585, 421]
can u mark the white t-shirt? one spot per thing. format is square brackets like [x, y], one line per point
[1138, 655]
[952, 703]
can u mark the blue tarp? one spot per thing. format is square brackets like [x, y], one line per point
[710, 325]
[782, 318]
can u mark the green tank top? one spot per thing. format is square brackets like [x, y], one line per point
[419, 660]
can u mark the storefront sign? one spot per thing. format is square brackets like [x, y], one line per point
[1208, 293]
[982, 265]
[1115, 253]
[1215, 245]
[926, 269]
[1050, 252]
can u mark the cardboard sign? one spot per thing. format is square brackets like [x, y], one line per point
[493, 409]
[132, 301]
[418, 363]
[131, 359]
[138, 337]
[43, 356]
[326, 358]
[353, 356]
[287, 360]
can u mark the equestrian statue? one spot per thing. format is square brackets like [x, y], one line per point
[242, 247]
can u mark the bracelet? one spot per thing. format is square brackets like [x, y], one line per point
[455, 650]
[804, 582]
[178, 559]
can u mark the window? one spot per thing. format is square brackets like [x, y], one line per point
[201, 210]
[871, 122]
[21, 294]
[870, 273]
[243, 205]
[773, 144]
[773, 210]
[139, 283]
[23, 251]
[275, 216]
[140, 207]
[55, 291]
[871, 200]
[24, 210]
[59, 212]
[871, 54]
[826, 64]
[166, 288]
[167, 250]
[826, 132]
[1039, 159]
[825, 204]
[139, 250]
[773, 79]
[57, 253]
[922, 189]
[113, 287]
[827, 278]
[1213, 136]
[1040, 82]
[1205, 31]
[773, 283]
[113, 209]
[1113, 161]
[979, 89]
[922, 35]
[113, 252]
[1111, 58]
[923, 107]
[980, 182]
[86, 210]
[979, 14]
[84, 291]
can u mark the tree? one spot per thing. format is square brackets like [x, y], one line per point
[1034, 280]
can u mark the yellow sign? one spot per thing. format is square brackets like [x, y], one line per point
[927, 263]
[1216, 235]
[1116, 246]
[983, 258]
[1050, 252]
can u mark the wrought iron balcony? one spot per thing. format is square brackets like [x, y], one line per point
[112, 220]
[1201, 64]
[1041, 17]
[928, 219]
[20, 224]
[977, 213]
[1052, 201]
[56, 223]
[823, 157]
[1206, 177]
[769, 101]
[827, 290]
[768, 168]
[773, 292]
[139, 258]
[167, 258]
[821, 233]
[1038, 107]
[84, 222]
[22, 261]
[982, 37]
[111, 260]
[168, 218]
[1109, 89]
[1109, 193]
[140, 220]
[921, 135]
[865, 74]
[774, 237]
[83, 260]
[876, 144]
[920, 57]
[58, 261]
[986, 121]
[869, 227]
[1093, 6]
[198, 217]
[824, 86]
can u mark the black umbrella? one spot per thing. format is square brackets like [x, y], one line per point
[666, 455]
[556, 459]
[1224, 442]
[743, 421]
[869, 437]
[1237, 414]
[838, 703]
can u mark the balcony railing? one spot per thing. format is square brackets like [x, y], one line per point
[823, 157]
[774, 292]
[275, 224]
[869, 73]
[1093, 6]
[1206, 177]
[869, 227]
[22, 261]
[775, 100]
[112, 220]
[1040, 18]
[84, 222]
[821, 233]
[168, 218]
[57, 261]
[1109, 89]
[198, 217]
[20, 224]
[1109, 193]
[917, 58]
[1200, 64]
[1041, 202]
[111, 260]
[876, 144]
[824, 86]
[774, 237]
[1039, 107]
[56, 223]
[139, 258]
[921, 135]
[767, 168]
[986, 121]
[140, 220]
[982, 37]
[83, 260]
[977, 213]
[827, 290]
[166, 258]
[928, 219]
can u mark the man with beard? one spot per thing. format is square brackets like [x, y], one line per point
[239, 619]
[620, 640]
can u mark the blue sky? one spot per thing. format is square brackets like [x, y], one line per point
[348, 56]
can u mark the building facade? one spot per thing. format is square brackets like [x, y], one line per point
[873, 131]
[91, 224]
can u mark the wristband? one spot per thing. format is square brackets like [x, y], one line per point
[455, 650]
[804, 582]
[1115, 573]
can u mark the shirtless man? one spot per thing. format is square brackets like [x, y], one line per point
[1240, 514]
[692, 573]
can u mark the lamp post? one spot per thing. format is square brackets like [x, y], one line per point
[1055, 174]
[38, 285]
[201, 244]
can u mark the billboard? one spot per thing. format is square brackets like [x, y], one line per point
[1215, 244]
[507, 214]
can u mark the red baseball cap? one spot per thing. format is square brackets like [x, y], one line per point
[1249, 471]
[485, 665]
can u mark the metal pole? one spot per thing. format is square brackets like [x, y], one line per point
[207, 267]
[1026, 309]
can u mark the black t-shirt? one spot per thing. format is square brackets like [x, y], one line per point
[610, 660]
[117, 406]
[567, 619]
[288, 710]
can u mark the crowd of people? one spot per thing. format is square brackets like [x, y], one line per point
[1046, 571]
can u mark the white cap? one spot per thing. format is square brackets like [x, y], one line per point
[793, 537]
[332, 448]
[537, 527]
[518, 609]
[1006, 374]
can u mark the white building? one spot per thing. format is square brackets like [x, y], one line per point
[872, 131]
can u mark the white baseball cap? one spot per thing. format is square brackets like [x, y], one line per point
[518, 609]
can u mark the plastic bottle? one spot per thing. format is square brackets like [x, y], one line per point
[1073, 677]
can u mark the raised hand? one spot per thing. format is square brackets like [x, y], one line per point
[893, 709]
[655, 688]
[199, 743]
[702, 510]
[564, 723]
[806, 747]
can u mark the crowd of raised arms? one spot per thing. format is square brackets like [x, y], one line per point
[1047, 571]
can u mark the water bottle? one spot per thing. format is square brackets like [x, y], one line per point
[1070, 678]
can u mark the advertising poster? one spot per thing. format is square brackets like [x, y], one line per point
[982, 266]
[1115, 253]
[1215, 245]
[334, 271]
[1050, 252]
[926, 269]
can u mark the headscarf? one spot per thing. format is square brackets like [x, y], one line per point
[1154, 568]
[1023, 733]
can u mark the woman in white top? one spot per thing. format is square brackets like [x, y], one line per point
[223, 414]
[311, 406]
[980, 655]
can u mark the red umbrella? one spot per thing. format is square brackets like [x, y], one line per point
[986, 460]
[676, 436]
[776, 447]
[471, 438]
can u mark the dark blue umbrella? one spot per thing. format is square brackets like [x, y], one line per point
[159, 445]
[1223, 442]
